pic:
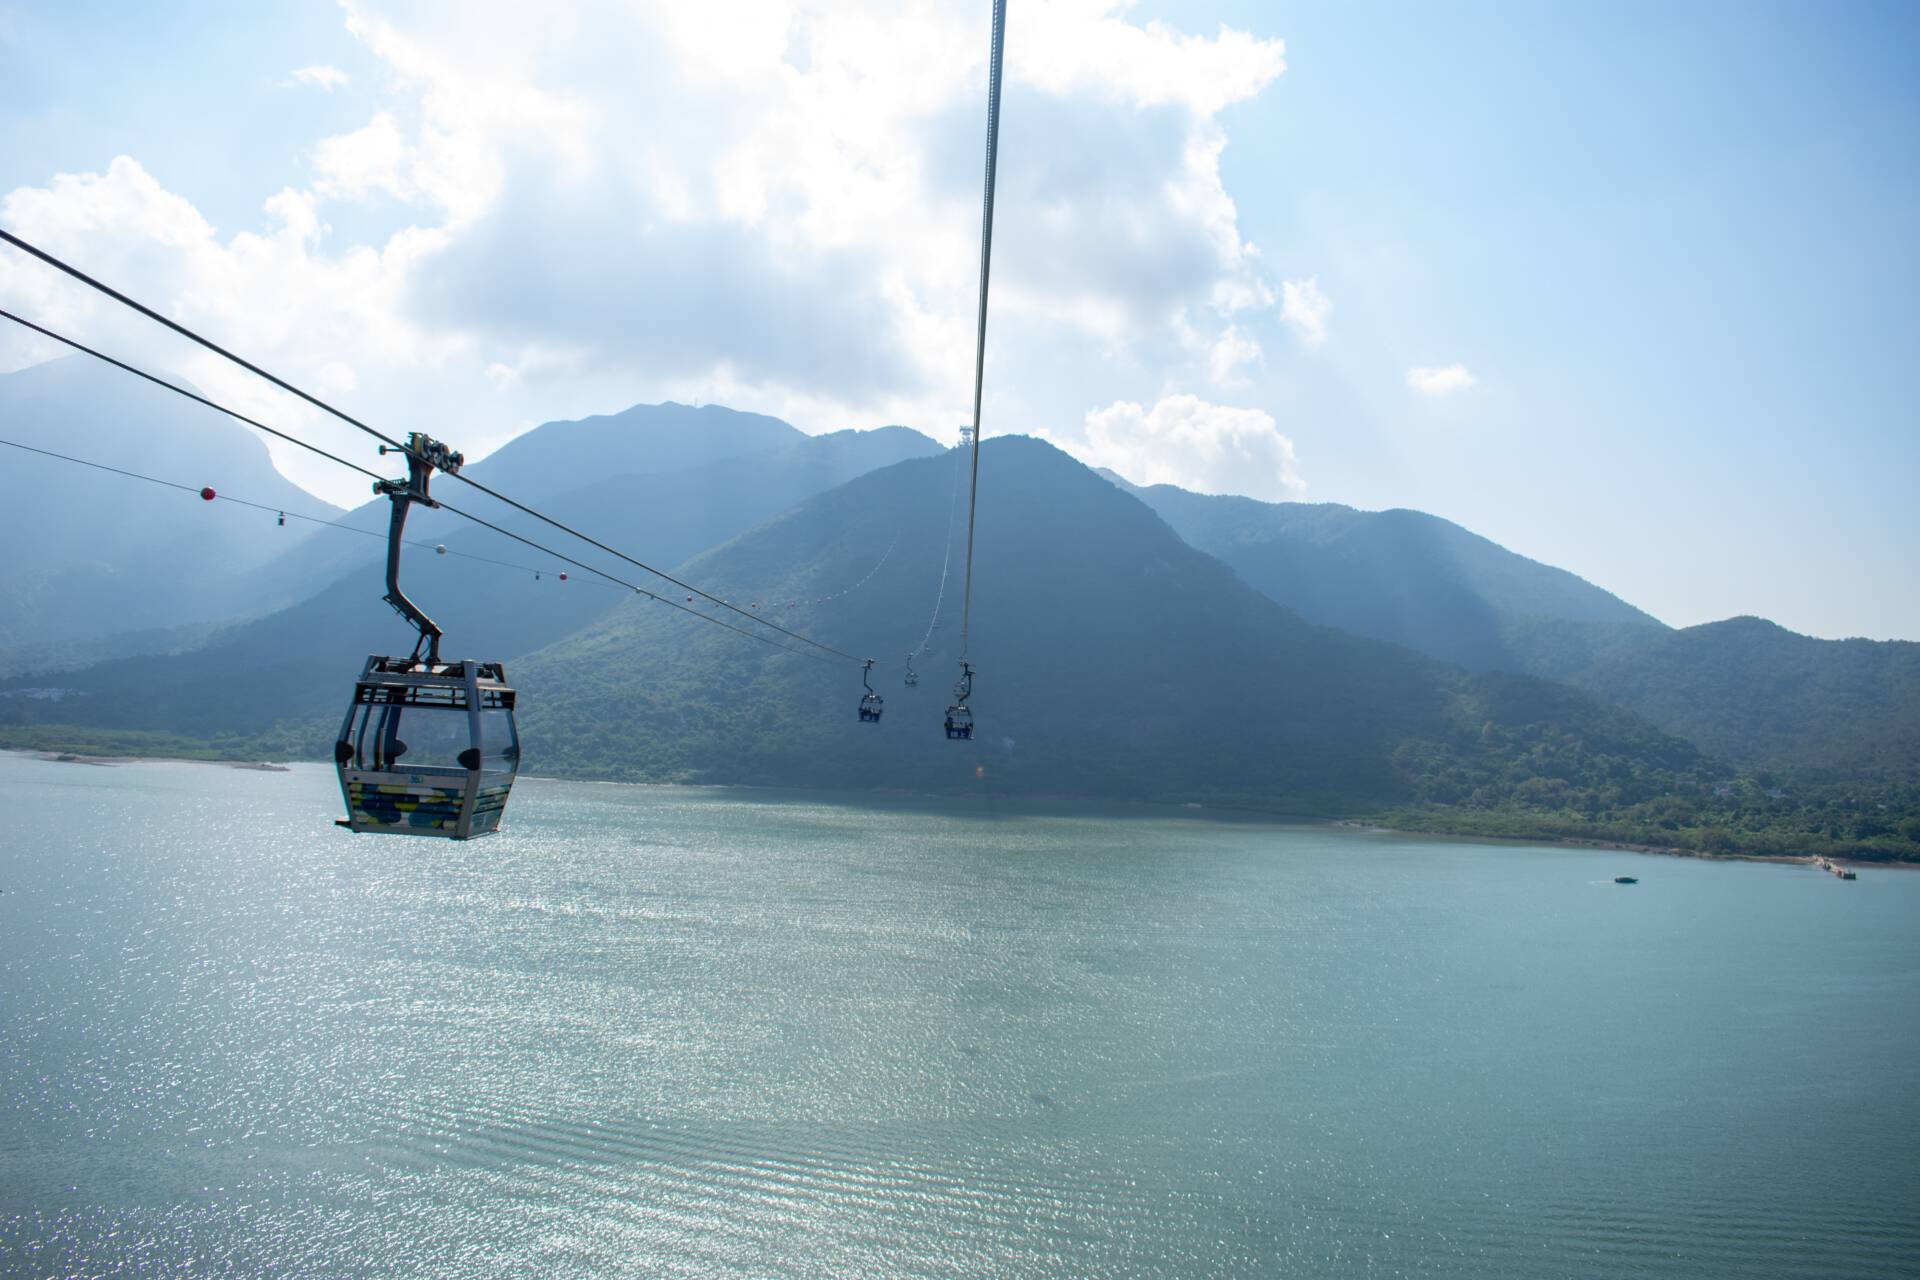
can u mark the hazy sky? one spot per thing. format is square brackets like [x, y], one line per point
[1630, 289]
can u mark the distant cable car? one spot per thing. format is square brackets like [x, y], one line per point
[870, 703]
[428, 748]
[913, 677]
[959, 718]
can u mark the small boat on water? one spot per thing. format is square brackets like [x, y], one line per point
[1626, 880]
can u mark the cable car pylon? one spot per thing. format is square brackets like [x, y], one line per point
[428, 748]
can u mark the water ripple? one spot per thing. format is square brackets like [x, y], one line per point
[692, 1033]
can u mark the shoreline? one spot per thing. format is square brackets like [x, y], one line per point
[111, 762]
[1056, 805]
[1581, 842]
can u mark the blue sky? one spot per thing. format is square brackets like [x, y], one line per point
[1675, 244]
[1656, 262]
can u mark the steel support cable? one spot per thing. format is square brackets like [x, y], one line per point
[131, 475]
[429, 546]
[182, 391]
[354, 466]
[946, 558]
[986, 263]
[392, 443]
[769, 641]
[658, 573]
[847, 591]
[281, 511]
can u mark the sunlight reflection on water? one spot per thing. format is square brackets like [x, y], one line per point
[700, 1033]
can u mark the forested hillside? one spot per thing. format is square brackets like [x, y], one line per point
[1754, 693]
[1119, 663]
[1744, 690]
[1118, 659]
[274, 679]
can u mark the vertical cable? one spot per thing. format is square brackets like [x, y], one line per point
[980, 341]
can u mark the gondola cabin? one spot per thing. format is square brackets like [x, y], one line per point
[428, 748]
[959, 719]
[870, 705]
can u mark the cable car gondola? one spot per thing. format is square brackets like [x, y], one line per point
[870, 704]
[913, 677]
[959, 718]
[428, 748]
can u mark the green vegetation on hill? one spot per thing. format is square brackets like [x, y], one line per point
[1757, 695]
[1744, 690]
[85, 741]
[278, 681]
[1116, 661]
[1876, 822]
[1539, 744]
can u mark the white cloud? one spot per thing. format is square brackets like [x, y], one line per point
[1305, 309]
[351, 166]
[1081, 45]
[1442, 380]
[1232, 349]
[324, 77]
[1185, 441]
[774, 201]
[1222, 353]
[333, 323]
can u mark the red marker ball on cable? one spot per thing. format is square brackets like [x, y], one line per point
[563, 577]
[208, 494]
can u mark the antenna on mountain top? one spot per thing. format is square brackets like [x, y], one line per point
[996, 59]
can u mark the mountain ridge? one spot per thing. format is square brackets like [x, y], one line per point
[144, 555]
[1117, 662]
[1078, 693]
[1745, 690]
[1389, 574]
[278, 669]
[1398, 576]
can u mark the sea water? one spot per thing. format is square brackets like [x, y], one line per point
[692, 1032]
